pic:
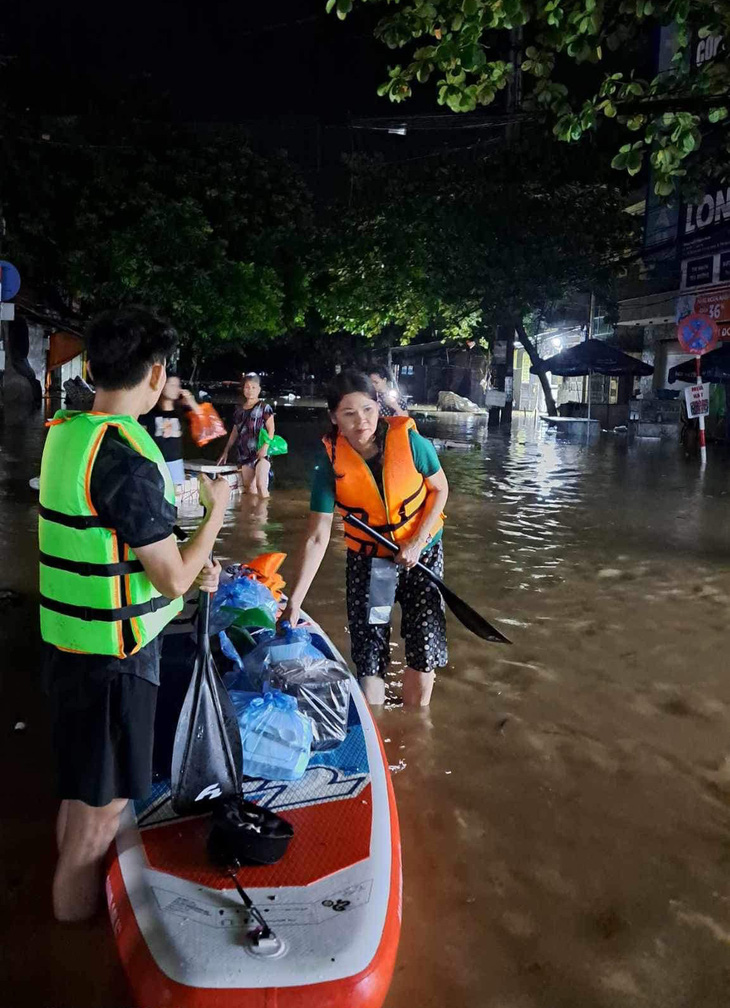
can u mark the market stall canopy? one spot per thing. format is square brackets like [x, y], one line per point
[63, 347]
[593, 357]
[714, 367]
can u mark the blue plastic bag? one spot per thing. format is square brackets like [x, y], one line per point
[290, 644]
[240, 700]
[240, 593]
[229, 650]
[276, 737]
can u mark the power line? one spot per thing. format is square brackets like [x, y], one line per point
[448, 152]
[436, 123]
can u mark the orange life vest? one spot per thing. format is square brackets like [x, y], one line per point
[264, 569]
[395, 513]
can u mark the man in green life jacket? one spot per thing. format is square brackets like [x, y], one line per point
[111, 578]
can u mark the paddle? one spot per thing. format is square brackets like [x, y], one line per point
[207, 756]
[463, 612]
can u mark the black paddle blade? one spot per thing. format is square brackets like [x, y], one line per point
[207, 756]
[463, 612]
[471, 619]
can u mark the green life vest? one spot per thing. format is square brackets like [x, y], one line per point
[95, 595]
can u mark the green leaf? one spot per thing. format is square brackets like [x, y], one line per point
[717, 114]
[620, 160]
[634, 161]
[330, 6]
[663, 187]
[563, 127]
[468, 56]
[343, 8]
[470, 7]
[635, 122]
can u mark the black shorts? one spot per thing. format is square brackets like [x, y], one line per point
[423, 621]
[103, 727]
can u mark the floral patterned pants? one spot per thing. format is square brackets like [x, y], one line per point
[423, 622]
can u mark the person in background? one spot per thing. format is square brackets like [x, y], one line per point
[107, 502]
[251, 417]
[388, 475]
[164, 426]
[390, 401]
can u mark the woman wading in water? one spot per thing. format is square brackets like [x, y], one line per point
[388, 475]
[250, 418]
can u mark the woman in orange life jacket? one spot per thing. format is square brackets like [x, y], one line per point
[386, 473]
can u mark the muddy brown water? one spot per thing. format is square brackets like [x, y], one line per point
[564, 803]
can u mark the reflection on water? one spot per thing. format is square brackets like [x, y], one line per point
[565, 802]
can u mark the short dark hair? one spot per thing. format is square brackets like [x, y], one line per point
[382, 371]
[123, 344]
[346, 382]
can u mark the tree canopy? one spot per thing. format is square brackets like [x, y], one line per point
[468, 51]
[457, 251]
[102, 213]
[484, 244]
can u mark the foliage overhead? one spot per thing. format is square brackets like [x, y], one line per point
[196, 226]
[582, 61]
[461, 250]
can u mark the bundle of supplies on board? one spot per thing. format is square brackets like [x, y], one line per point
[291, 700]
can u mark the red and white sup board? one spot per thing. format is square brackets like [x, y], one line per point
[333, 901]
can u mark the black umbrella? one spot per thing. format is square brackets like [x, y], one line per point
[592, 356]
[715, 367]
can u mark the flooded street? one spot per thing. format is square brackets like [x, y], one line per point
[564, 803]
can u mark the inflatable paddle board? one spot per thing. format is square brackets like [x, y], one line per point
[333, 902]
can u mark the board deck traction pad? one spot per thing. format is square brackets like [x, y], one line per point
[333, 900]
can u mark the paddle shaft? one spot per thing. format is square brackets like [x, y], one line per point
[203, 623]
[471, 619]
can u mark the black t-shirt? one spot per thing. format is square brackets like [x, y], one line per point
[128, 492]
[165, 428]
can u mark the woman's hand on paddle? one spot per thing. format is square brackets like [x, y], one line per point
[290, 613]
[222, 458]
[209, 576]
[409, 554]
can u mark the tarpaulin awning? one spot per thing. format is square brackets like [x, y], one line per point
[63, 347]
[714, 367]
[593, 357]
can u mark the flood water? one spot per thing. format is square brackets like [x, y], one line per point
[564, 803]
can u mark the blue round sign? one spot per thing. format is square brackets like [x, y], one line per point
[10, 279]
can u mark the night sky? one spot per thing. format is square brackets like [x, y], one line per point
[297, 78]
[231, 60]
